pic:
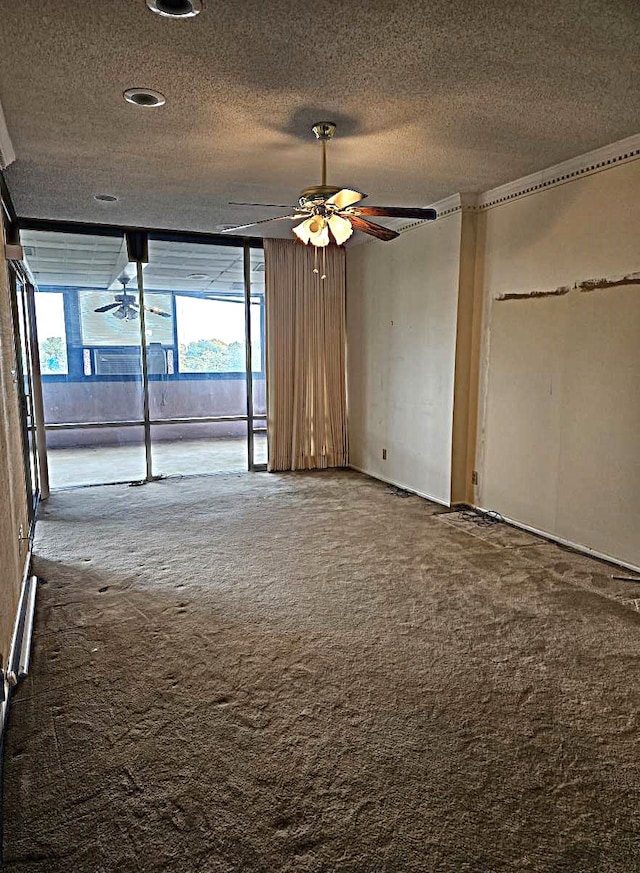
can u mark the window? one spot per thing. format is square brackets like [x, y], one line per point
[257, 330]
[211, 335]
[52, 335]
[188, 334]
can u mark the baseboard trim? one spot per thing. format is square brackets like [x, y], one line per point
[10, 671]
[584, 550]
[399, 484]
[4, 708]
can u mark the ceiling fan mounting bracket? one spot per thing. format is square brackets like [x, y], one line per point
[324, 129]
[317, 194]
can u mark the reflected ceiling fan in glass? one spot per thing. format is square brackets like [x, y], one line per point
[126, 306]
[331, 214]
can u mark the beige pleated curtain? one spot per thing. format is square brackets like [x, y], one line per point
[305, 351]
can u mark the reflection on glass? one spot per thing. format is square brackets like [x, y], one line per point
[105, 320]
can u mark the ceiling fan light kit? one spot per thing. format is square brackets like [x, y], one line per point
[332, 214]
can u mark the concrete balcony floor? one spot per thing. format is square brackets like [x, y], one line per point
[100, 465]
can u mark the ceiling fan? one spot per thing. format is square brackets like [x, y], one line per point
[126, 306]
[331, 213]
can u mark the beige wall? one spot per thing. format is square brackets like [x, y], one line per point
[13, 511]
[559, 422]
[402, 311]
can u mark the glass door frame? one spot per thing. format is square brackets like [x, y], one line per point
[138, 252]
[25, 375]
[137, 245]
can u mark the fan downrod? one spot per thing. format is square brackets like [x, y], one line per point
[317, 194]
[324, 129]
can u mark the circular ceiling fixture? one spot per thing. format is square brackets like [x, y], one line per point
[175, 8]
[200, 276]
[105, 198]
[144, 97]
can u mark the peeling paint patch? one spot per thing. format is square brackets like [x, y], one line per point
[595, 284]
[557, 292]
[584, 285]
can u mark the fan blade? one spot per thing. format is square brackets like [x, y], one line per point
[346, 197]
[276, 205]
[264, 221]
[107, 307]
[157, 311]
[372, 229]
[397, 212]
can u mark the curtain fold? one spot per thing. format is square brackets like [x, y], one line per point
[305, 349]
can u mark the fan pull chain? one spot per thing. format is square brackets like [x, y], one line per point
[315, 259]
[324, 264]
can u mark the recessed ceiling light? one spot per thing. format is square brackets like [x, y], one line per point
[175, 8]
[144, 97]
[197, 276]
[105, 198]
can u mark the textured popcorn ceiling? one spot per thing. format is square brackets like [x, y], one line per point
[430, 97]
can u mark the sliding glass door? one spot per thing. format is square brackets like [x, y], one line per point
[149, 369]
[198, 409]
[24, 378]
[89, 358]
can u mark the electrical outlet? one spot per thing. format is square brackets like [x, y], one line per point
[474, 477]
[384, 454]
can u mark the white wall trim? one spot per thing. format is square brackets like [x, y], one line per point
[5, 678]
[4, 705]
[445, 207]
[620, 152]
[7, 154]
[585, 550]
[397, 484]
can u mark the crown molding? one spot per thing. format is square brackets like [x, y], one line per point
[7, 154]
[460, 202]
[620, 152]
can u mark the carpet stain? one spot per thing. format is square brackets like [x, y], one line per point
[299, 673]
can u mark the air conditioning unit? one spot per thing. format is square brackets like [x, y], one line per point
[115, 362]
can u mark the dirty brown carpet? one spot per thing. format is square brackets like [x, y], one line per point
[305, 673]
